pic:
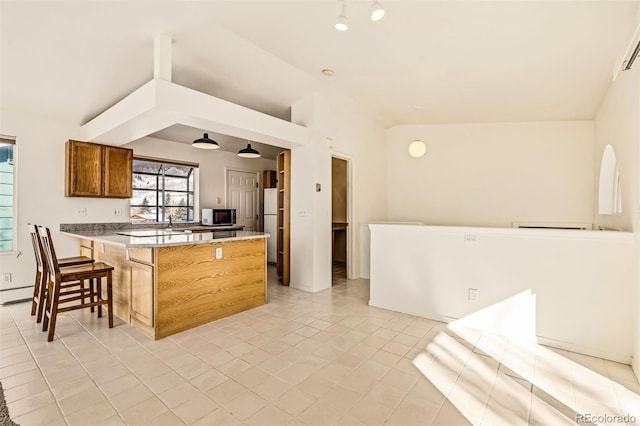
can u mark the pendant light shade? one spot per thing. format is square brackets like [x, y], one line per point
[248, 152]
[205, 143]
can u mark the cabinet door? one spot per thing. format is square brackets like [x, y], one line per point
[142, 292]
[118, 171]
[83, 169]
[121, 277]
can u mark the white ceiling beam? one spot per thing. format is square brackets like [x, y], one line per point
[160, 104]
[197, 109]
[162, 57]
[137, 104]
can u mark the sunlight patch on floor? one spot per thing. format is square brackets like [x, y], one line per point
[494, 374]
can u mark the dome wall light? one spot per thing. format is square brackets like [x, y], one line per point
[377, 11]
[417, 148]
[205, 143]
[342, 24]
[248, 152]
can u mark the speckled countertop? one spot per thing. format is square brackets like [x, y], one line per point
[162, 238]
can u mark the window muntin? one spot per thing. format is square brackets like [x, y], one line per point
[162, 188]
[7, 194]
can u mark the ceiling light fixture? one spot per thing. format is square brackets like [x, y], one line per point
[205, 143]
[377, 11]
[417, 148]
[342, 24]
[248, 152]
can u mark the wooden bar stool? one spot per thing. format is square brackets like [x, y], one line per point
[40, 285]
[65, 286]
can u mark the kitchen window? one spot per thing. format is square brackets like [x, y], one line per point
[7, 194]
[163, 188]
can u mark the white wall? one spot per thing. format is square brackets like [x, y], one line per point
[581, 279]
[212, 165]
[492, 174]
[40, 185]
[617, 124]
[40, 188]
[360, 140]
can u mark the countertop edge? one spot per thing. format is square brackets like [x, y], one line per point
[191, 239]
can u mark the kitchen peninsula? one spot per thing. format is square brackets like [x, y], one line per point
[168, 281]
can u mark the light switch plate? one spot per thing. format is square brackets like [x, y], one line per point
[218, 252]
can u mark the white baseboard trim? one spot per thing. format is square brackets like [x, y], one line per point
[14, 295]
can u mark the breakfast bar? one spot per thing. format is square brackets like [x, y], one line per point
[168, 281]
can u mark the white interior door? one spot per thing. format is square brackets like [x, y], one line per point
[242, 195]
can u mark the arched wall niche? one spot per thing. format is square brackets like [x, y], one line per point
[609, 194]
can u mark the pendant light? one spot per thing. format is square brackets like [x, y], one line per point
[205, 143]
[248, 152]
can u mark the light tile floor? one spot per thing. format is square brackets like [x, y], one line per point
[324, 358]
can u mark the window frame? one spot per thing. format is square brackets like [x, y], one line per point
[161, 191]
[11, 140]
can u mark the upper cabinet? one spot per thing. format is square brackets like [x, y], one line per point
[117, 164]
[94, 170]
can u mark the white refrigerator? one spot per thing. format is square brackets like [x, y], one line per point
[271, 222]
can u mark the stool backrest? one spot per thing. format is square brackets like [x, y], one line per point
[49, 251]
[37, 246]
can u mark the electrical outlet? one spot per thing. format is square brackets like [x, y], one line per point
[473, 294]
[6, 278]
[470, 239]
[117, 211]
[303, 213]
[81, 212]
[219, 200]
[218, 252]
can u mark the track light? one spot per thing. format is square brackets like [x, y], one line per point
[205, 143]
[377, 11]
[342, 24]
[248, 152]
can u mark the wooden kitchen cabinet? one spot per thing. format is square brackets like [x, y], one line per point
[142, 300]
[164, 290]
[86, 248]
[94, 170]
[121, 277]
[118, 172]
[283, 166]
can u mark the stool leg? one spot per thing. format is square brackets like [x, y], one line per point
[92, 292]
[36, 293]
[42, 297]
[54, 310]
[47, 306]
[109, 299]
[99, 285]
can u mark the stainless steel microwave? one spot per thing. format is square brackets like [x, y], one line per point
[218, 216]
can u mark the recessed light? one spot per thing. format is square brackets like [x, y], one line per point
[327, 72]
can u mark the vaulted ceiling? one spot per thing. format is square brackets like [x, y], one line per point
[425, 62]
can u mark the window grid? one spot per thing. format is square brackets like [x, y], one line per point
[7, 194]
[160, 192]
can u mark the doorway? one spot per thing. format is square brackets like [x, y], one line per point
[242, 195]
[339, 219]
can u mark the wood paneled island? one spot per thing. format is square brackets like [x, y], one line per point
[168, 282]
